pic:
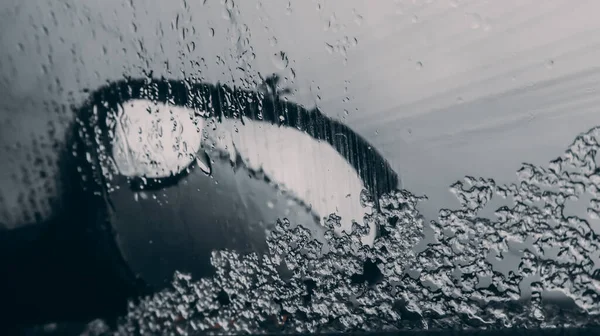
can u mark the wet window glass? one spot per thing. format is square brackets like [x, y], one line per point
[321, 166]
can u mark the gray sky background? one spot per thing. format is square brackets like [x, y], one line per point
[443, 88]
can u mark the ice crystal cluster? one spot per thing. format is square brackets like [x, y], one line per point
[459, 280]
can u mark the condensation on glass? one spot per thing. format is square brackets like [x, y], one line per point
[507, 252]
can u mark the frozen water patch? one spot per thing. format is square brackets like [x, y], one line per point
[460, 280]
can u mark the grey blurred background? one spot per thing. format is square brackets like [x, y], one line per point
[442, 88]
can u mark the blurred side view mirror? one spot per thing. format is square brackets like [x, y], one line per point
[159, 173]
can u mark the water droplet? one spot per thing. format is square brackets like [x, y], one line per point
[280, 60]
[191, 47]
[203, 162]
[419, 65]
[211, 32]
[549, 64]
[358, 19]
[329, 48]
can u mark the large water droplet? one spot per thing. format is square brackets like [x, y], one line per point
[280, 60]
[203, 162]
